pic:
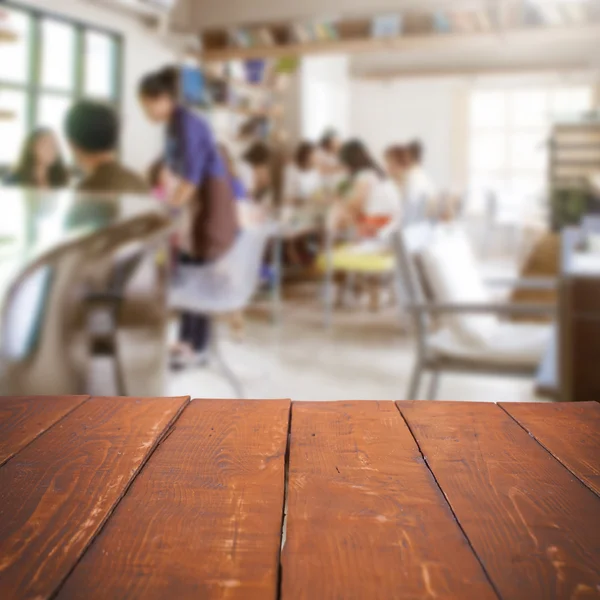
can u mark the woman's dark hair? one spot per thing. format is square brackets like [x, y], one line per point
[303, 153]
[326, 142]
[258, 155]
[58, 174]
[355, 156]
[160, 83]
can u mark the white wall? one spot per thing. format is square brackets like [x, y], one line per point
[325, 95]
[432, 110]
[143, 51]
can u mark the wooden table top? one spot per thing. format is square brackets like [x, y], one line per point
[166, 498]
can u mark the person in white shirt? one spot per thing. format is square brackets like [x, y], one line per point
[371, 200]
[328, 160]
[419, 190]
[302, 180]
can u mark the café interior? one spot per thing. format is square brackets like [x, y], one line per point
[413, 191]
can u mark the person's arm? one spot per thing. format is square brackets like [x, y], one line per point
[182, 194]
[357, 198]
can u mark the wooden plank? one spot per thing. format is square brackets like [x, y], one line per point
[569, 431]
[203, 520]
[535, 527]
[365, 518]
[57, 493]
[23, 418]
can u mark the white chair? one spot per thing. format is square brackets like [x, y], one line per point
[457, 323]
[222, 287]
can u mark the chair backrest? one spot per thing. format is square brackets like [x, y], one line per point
[227, 284]
[36, 351]
[436, 264]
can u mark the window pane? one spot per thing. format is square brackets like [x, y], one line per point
[58, 55]
[488, 151]
[488, 109]
[571, 101]
[529, 108]
[14, 56]
[12, 130]
[52, 111]
[528, 151]
[100, 55]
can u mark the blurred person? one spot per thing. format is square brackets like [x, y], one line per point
[160, 179]
[93, 132]
[397, 164]
[370, 201]
[258, 158]
[41, 164]
[328, 160]
[203, 194]
[248, 134]
[419, 190]
[303, 181]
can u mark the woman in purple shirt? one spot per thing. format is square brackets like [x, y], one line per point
[203, 193]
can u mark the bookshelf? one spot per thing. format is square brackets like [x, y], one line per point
[402, 30]
[574, 158]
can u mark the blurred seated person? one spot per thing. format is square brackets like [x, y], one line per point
[370, 200]
[303, 181]
[41, 165]
[328, 160]
[419, 190]
[93, 132]
[258, 159]
[248, 134]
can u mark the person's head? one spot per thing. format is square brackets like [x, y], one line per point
[415, 152]
[41, 151]
[158, 93]
[355, 157]
[258, 156]
[250, 129]
[330, 142]
[305, 156]
[397, 161]
[92, 129]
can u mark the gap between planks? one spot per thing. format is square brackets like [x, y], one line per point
[426, 462]
[556, 458]
[286, 482]
[167, 431]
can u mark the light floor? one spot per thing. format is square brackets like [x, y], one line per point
[365, 356]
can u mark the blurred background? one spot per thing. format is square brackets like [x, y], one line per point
[416, 187]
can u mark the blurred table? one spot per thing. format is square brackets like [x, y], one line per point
[163, 498]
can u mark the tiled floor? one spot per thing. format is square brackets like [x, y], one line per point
[365, 356]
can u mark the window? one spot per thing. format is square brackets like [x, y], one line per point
[53, 63]
[509, 132]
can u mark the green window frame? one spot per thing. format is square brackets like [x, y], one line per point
[33, 86]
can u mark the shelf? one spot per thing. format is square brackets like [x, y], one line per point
[245, 112]
[7, 115]
[527, 35]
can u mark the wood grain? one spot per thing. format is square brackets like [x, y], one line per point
[56, 493]
[203, 520]
[23, 418]
[569, 431]
[365, 518]
[535, 527]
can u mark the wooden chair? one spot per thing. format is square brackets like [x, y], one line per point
[457, 325]
[42, 348]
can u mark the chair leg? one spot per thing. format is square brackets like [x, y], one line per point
[222, 365]
[415, 382]
[434, 384]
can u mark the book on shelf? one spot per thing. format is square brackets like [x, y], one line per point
[441, 22]
[387, 26]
